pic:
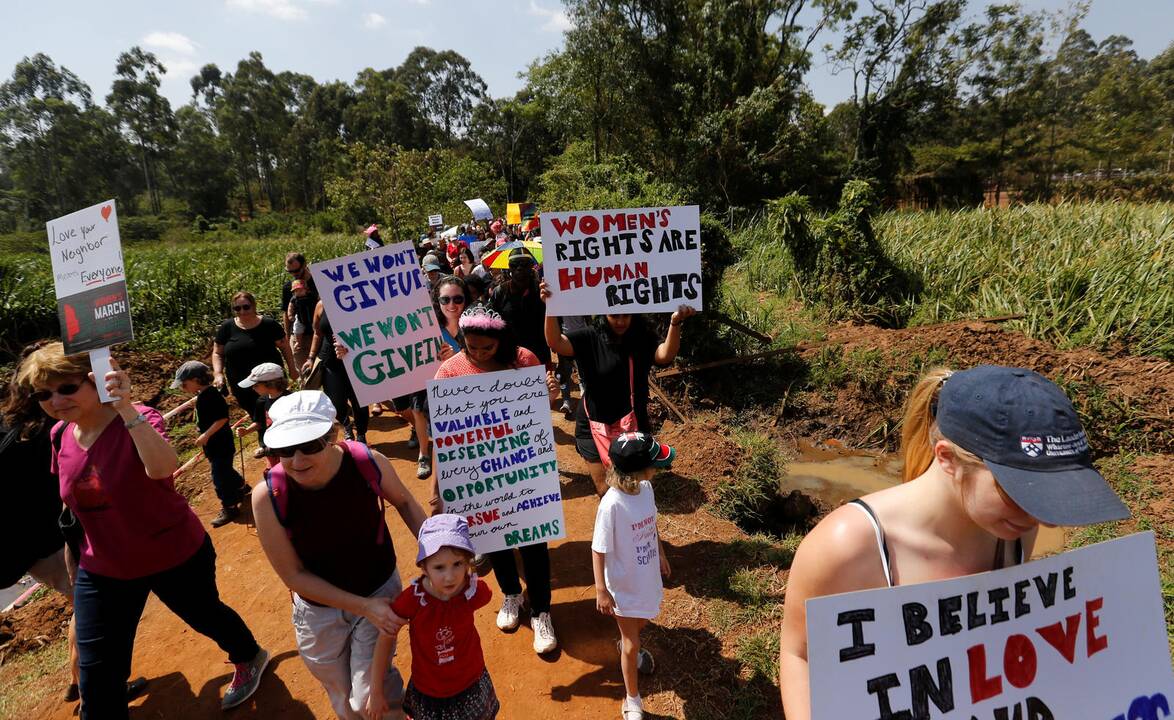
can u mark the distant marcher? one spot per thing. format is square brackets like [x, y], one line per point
[465, 266]
[373, 238]
[353, 417]
[627, 556]
[477, 287]
[244, 342]
[519, 301]
[976, 491]
[297, 308]
[432, 268]
[320, 520]
[215, 437]
[268, 381]
[489, 346]
[115, 469]
[449, 678]
[614, 356]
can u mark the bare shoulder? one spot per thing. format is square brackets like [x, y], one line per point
[839, 555]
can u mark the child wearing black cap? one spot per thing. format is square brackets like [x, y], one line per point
[627, 556]
[215, 437]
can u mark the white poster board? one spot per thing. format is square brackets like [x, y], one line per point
[1076, 635]
[621, 262]
[495, 456]
[479, 208]
[436, 221]
[380, 308]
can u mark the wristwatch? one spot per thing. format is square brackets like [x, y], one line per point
[135, 421]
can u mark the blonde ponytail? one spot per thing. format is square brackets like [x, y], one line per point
[918, 426]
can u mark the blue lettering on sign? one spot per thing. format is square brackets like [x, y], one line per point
[1146, 708]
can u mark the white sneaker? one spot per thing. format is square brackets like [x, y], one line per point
[507, 617]
[632, 710]
[544, 639]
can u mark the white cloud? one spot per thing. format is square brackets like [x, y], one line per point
[180, 69]
[280, 9]
[374, 21]
[556, 20]
[173, 41]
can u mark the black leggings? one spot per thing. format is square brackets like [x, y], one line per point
[337, 387]
[536, 564]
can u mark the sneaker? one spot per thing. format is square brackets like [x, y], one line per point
[135, 687]
[544, 639]
[632, 709]
[645, 664]
[245, 680]
[347, 432]
[72, 693]
[507, 617]
[424, 467]
[361, 438]
[259, 452]
[413, 441]
[227, 515]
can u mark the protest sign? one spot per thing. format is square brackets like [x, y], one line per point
[515, 213]
[1076, 635]
[479, 208]
[436, 222]
[380, 308]
[620, 262]
[88, 275]
[495, 457]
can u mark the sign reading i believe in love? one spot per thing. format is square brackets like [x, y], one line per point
[379, 307]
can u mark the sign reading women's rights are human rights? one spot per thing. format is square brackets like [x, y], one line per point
[380, 309]
[621, 262]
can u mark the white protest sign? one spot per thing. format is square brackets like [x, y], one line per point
[1076, 635]
[495, 457]
[380, 308]
[620, 262]
[436, 221]
[479, 208]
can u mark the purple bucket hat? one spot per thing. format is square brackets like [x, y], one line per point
[440, 531]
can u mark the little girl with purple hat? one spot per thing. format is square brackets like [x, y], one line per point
[449, 680]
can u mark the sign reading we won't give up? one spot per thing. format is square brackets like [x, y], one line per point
[1077, 636]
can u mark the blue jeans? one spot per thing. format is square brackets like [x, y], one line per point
[107, 612]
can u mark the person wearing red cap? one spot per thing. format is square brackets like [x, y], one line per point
[991, 453]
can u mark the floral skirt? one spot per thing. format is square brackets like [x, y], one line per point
[476, 702]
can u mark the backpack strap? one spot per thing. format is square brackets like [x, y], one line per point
[276, 483]
[369, 469]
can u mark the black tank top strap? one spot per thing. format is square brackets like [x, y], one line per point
[881, 544]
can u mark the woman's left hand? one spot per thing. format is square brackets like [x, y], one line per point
[117, 386]
[682, 314]
[446, 351]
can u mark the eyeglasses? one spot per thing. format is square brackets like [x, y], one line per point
[311, 447]
[66, 389]
[293, 271]
[455, 299]
[241, 308]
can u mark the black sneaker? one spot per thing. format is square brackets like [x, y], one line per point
[347, 432]
[227, 515]
[362, 438]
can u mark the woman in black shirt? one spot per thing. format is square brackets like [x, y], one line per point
[244, 342]
[614, 354]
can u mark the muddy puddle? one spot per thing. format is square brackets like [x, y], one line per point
[836, 474]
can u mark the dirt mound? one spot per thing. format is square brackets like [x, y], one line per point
[36, 624]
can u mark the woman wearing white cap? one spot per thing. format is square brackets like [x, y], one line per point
[320, 520]
[990, 454]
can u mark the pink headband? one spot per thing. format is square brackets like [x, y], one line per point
[480, 318]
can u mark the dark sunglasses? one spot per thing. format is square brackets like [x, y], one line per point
[241, 308]
[311, 447]
[293, 272]
[66, 389]
[446, 299]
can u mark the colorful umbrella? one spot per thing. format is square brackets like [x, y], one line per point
[500, 258]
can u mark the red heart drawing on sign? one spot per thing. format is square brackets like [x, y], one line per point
[106, 213]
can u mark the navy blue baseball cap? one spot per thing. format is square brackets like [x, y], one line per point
[1026, 431]
[634, 451]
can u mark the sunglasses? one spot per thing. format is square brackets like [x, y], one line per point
[66, 389]
[457, 299]
[241, 308]
[311, 447]
[294, 271]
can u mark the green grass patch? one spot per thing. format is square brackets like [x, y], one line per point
[24, 685]
[759, 654]
[745, 499]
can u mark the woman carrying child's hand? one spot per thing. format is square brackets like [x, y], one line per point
[378, 611]
[376, 703]
[604, 602]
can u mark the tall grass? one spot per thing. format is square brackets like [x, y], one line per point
[1083, 275]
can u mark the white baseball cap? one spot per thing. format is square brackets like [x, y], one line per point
[299, 417]
[263, 373]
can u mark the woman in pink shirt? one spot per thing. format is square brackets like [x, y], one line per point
[114, 468]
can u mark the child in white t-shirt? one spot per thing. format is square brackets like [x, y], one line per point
[627, 557]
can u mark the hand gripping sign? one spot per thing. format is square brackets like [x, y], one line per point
[1076, 635]
[89, 277]
[621, 262]
[495, 457]
[380, 309]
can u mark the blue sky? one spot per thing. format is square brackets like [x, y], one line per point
[334, 39]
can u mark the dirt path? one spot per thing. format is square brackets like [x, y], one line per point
[581, 680]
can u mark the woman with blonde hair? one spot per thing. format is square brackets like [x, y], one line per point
[990, 454]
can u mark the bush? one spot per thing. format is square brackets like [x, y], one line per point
[140, 228]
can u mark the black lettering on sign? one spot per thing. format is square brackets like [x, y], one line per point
[924, 688]
[917, 630]
[859, 648]
[880, 687]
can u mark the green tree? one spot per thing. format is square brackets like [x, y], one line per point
[201, 164]
[144, 114]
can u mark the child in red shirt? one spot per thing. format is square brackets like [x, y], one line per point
[449, 680]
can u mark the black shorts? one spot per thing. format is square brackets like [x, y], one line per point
[417, 401]
[584, 442]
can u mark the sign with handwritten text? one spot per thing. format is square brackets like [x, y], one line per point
[620, 262]
[90, 279]
[1076, 635]
[495, 458]
[380, 309]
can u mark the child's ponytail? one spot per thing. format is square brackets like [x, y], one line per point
[918, 423]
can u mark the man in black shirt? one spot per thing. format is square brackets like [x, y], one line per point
[517, 301]
[299, 343]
